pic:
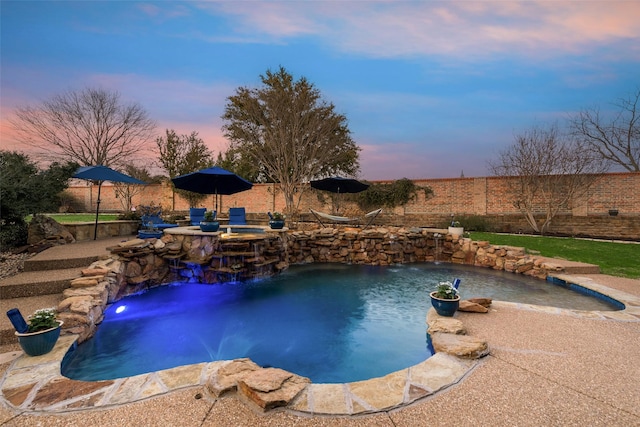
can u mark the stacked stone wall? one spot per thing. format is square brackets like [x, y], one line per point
[139, 264]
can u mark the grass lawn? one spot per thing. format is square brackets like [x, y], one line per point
[615, 259]
[83, 217]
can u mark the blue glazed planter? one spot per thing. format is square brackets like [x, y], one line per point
[445, 307]
[209, 226]
[39, 343]
[276, 224]
[147, 234]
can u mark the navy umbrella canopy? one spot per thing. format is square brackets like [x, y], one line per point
[100, 174]
[338, 184]
[213, 180]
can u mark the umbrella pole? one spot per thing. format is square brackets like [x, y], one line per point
[95, 228]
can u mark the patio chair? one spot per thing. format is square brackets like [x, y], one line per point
[369, 217]
[196, 215]
[237, 216]
[156, 221]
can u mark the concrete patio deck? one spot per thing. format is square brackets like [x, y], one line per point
[546, 367]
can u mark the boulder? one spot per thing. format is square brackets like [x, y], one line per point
[44, 228]
[225, 379]
[485, 302]
[472, 307]
[271, 387]
[463, 346]
[439, 323]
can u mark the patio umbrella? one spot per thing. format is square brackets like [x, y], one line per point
[213, 180]
[100, 174]
[338, 184]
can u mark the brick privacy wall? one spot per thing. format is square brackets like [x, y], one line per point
[483, 196]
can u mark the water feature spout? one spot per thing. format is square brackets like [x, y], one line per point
[436, 237]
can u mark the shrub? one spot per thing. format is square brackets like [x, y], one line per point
[13, 234]
[129, 216]
[397, 193]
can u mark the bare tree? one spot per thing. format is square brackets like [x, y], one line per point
[90, 127]
[614, 137]
[550, 171]
[125, 192]
[290, 132]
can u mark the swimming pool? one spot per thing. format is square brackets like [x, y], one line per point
[333, 323]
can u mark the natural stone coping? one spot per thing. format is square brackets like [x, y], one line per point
[194, 230]
[35, 384]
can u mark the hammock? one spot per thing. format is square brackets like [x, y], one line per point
[345, 219]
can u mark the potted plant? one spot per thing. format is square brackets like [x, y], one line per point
[445, 299]
[456, 228]
[42, 333]
[149, 231]
[209, 222]
[276, 220]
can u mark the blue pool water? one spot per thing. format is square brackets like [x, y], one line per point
[331, 323]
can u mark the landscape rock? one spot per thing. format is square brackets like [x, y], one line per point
[448, 325]
[472, 307]
[225, 379]
[43, 227]
[271, 387]
[485, 302]
[463, 346]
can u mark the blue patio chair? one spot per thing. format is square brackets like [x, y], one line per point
[156, 221]
[237, 216]
[196, 215]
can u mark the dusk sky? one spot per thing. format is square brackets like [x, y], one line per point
[431, 89]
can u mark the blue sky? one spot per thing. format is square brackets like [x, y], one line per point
[431, 89]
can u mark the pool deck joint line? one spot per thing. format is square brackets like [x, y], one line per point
[36, 385]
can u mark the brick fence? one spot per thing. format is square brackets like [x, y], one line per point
[484, 196]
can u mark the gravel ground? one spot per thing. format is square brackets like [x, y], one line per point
[11, 264]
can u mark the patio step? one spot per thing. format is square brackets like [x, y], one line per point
[36, 283]
[45, 277]
[31, 265]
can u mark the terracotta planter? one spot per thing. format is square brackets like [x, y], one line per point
[445, 307]
[39, 343]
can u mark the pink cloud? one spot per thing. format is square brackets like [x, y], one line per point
[456, 29]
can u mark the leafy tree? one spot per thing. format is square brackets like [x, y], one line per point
[24, 190]
[233, 161]
[549, 171]
[615, 138]
[184, 154]
[90, 127]
[289, 133]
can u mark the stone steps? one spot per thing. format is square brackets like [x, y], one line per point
[31, 265]
[29, 291]
[44, 278]
[36, 283]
